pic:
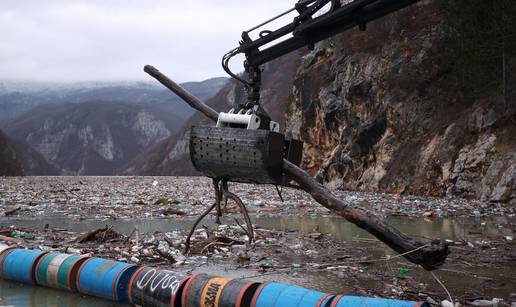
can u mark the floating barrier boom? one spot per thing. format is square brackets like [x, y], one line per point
[154, 287]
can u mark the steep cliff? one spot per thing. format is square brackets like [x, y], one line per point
[171, 156]
[401, 108]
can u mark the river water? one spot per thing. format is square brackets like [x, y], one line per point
[12, 294]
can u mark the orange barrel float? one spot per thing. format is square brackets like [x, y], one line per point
[359, 301]
[282, 295]
[105, 278]
[19, 265]
[156, 288]
[203, 290]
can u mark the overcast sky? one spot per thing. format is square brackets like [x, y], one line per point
[108, 40]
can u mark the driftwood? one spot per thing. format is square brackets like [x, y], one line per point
[429, 256]
[13, 211]
[11, 240]
[90, 235]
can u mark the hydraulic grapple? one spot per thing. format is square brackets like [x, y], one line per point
[237, 150]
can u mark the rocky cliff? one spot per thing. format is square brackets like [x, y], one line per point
[91, 128]
[171, 156]
[401, 108]
[92, 138]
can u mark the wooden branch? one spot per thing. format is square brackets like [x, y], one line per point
[190, 99]
[11, 240]
[429, 256]
[88, 236]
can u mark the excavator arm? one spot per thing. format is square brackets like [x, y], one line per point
[316, 20]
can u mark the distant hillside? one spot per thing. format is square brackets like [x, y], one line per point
[171, 156]
[10, 163]
[33, 163]
[93, 138]
[20, 97]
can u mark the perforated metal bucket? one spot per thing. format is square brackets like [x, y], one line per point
[234, 154]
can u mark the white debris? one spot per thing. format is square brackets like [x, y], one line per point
[447, 303]
[494, 302]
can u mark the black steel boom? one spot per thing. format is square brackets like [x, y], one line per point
[306, 29]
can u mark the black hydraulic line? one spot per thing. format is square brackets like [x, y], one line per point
[287, 29]
[271, 20]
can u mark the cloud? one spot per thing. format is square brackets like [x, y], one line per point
[86, 40]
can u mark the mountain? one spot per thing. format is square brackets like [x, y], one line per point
[95, 137]
[171, 156]
[423, 102]
[91, 128]
[33, 163]
[10, 163]
[19, 97]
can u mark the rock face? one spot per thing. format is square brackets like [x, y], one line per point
[171, 156]
[379, 111]
[34, 164]
[91, 128]
[92, 138]
[10, 162]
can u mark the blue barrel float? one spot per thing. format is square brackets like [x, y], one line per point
[282, 295]
[19, 265]
[105, 278]
[359, 301]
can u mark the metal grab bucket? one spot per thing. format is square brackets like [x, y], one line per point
[282, 295]
[68, 271]
[156, 288]
[359, 301]
[241, 155]
[105, 278]
[19, 265]
[237, 293]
